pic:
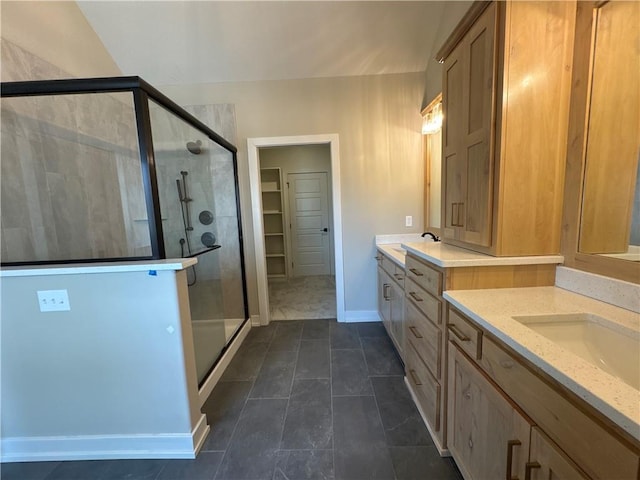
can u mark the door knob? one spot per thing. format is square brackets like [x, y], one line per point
[324, 230]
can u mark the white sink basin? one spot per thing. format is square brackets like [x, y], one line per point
[607, 345]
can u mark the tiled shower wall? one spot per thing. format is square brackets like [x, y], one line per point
[71, 181]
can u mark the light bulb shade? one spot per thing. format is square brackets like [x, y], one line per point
[432, 120]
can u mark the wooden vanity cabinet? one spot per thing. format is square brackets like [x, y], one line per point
[507, 77]
[425, 327]
[425, 362]
[391, 300]
[497, 399]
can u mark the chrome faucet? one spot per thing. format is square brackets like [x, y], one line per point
[434, 237]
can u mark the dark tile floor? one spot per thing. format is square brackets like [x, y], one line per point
[310, 399]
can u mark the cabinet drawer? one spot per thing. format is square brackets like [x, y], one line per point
[425, 338]
[425, 387]
[427, 304]
[563, 421]
[395, 271]
[465, 334]
[425, 276]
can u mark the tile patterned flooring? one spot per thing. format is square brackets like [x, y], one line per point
[301, 400]
[303, 298]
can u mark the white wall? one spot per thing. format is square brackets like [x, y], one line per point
[378, 122]
[114, 377]
[452, 13]
[59, 33]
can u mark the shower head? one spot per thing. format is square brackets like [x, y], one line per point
[195, 147]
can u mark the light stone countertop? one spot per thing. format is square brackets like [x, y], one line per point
[103, 267]
[392, 250]
[493, 310]
[444, 255]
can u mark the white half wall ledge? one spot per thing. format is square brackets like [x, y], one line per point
[106, 447]
[357, 316]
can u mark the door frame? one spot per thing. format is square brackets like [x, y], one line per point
[253, 145]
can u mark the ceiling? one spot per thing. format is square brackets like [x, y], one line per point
[189, 42]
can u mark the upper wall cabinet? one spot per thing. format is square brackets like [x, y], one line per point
[507, 78]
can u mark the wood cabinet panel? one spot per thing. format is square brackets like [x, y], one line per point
[564, 422]
[425, 337]
[384, 299]
[391, 300]
[425, 276]
[396, 317]
[534, 113]
[467, 170]
[423, 301]
[487, 436]
[465, 334]
[425, 387]
[548, 462]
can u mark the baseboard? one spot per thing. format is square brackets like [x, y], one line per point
[256, 320]
[105, 447]
[353, 316]
[200, 433]
[223, 363]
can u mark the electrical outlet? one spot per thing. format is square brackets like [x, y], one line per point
[408, 221]
[53, 300]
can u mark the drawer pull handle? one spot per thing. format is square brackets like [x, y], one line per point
[414, 330]
[385, 291]
[510, 445]
[378, 257]
[415, 297]
[416, 272]
[398, 276]
[414, 377]
[527, 469]
[458, 333]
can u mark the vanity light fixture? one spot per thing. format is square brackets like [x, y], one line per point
[432, 119]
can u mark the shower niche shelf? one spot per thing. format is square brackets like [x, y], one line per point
[274, 222]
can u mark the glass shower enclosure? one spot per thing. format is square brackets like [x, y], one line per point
[111, 170]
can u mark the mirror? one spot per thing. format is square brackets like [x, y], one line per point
[610, 219]
[432, 132]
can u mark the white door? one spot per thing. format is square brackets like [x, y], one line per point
[309, 217]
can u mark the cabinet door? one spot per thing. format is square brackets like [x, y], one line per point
[467, 171]
[453, 161]
[397, 317]
[477, 135]
[384, 299]
[547, 462]
[487, 436]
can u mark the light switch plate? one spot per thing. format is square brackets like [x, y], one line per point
[53, 300]
[408, 221]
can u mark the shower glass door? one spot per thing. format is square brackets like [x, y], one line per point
[198, 205]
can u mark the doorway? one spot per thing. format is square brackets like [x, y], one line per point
[298, 261]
